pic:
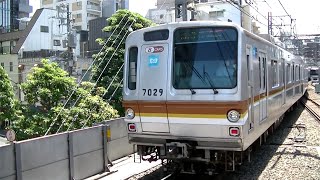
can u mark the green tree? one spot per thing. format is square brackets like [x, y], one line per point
[7, 101]
[47, 85]
[46, 90]
[121, 23]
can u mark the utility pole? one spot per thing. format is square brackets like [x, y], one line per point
[270, 23]
[181, 9]
[70, 42]
[65, 14]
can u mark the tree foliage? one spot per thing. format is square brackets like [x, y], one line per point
[119, 26]
[46, 90]
[47, 85]
[7, 102]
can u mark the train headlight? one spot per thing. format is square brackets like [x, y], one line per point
[233, 116]
[129, 113]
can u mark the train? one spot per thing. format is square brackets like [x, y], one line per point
[198, 95]
[314, 74]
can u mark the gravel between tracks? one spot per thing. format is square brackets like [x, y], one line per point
[274, 161]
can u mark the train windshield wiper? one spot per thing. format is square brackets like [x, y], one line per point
[206, 75]
[197, 73]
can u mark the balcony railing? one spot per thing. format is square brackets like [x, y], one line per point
[93, 7]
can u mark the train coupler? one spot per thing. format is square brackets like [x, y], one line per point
[177, 150]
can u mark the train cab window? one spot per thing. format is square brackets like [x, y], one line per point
[275, 73]
[205, 58]
[132, 74]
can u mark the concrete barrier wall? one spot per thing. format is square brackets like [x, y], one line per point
[88, 152]
[73, 155]
[7, 162]
[44, 157]
[119, 146]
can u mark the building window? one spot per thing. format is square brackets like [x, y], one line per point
[2, 64]
[56, 43]
[44, 29]
[79, 3]
[11, 66]
[78, 16]
[117, 6]
[161, 16]
[77, 27]
[216, 14]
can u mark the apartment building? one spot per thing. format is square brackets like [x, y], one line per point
[85, 10]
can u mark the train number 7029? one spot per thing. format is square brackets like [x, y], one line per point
[152, 92]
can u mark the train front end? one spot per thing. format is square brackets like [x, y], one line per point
[182, 91]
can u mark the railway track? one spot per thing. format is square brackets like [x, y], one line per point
[310, 109]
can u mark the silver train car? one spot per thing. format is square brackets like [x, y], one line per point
[314, 74]
[204, 92]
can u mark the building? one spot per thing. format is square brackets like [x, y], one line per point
[237, 11]
[109, 7]
[43, 37]
[83, 11]
[11, 13]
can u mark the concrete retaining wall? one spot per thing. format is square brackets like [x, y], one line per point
[77, 154]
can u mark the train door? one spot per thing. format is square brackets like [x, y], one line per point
[152, 90]
[250, 88]
[283, 81]
[263, 86]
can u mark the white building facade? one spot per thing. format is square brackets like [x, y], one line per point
[242, 12]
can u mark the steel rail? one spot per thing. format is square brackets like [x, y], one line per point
[311, 111]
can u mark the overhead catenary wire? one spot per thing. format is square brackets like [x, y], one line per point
[73, 91]
[246, 13]
[80, 81]
[284, 9]
[101, 71]
[108, 101]
[112, 79]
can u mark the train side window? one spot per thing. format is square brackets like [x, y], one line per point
[288, 74]
[248, 67]
[292, 72]
[300, 73]
[297, 72]
[274, 67]
[264, 66]
[260, 84]
[132, 74]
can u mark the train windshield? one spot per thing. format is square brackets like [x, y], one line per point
[313, 72]
[205, 58]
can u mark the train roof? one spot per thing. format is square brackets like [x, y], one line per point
[263, 38]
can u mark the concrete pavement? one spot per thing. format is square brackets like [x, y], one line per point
[125, 168]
